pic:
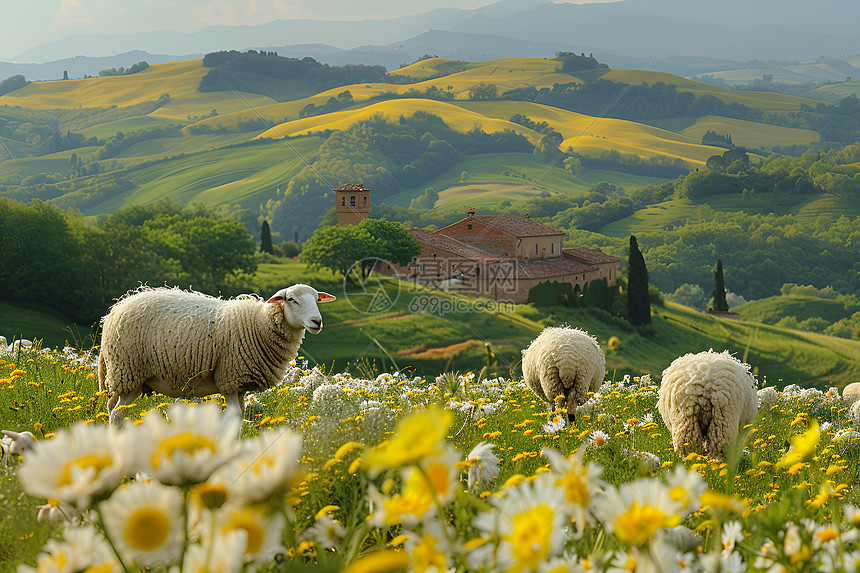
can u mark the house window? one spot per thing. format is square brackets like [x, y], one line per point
[536, 249]
[365, 199]
[469, 226]
[352, 201]
[551, 248]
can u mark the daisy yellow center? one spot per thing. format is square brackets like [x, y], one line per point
[185, 442]
[425, 556]
[263, 464]
[678, 493]
[409, 503]
[147, 529]
[639, 523]
[575, 489]
[531, 536]
[255, 532]
[97, 462]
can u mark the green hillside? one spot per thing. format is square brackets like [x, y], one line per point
[246, 176]
[803, 307]
[493, 178]
[420, 332]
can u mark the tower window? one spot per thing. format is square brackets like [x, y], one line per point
[365, 199]
[343, 201]
[352, 201]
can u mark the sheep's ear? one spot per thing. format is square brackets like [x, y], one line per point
[325, 297]
[278, 296]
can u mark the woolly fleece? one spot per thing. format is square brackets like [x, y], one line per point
[707, 398]
[563, 361]
[189, 341]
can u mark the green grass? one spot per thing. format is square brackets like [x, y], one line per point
[244, 176]
[770, 310]
[419, 334]
[35, 322]
[677, 211]
[510, 176]
[127, 126]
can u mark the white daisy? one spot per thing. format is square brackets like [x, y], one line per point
[483, 465]
[217, 554]
[82, 549]
[266, 467]
[191, 446]
[327, 532]
[732, 533]
[143, 521]
[578, 482]
[263, 532]
[84, 462]
[529, 523]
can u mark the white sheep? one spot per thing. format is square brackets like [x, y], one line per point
[185, 343]
[707, 398]
[563, 361]
[3, 343]
[15, 444]
[851, 393]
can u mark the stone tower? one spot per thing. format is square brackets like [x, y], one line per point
[352, 204]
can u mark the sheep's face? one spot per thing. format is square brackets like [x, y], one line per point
[300, 306]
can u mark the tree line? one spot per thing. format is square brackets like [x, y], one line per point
[55, 259]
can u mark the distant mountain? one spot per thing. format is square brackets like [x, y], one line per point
[686, 36]
[455, 45]
[619, 28]
[81, 66]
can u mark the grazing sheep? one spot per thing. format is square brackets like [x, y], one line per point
[185, 343]
[563, 361]
[707, 398]
[851, 393]
[15, 444]
[3, 343]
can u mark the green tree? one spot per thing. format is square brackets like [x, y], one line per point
[484, 91]
[638, 298]
[392, 242]
[337, 248]
[548, 146]
[718, 296]
[266, 238]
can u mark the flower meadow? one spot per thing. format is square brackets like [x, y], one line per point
[392, 472]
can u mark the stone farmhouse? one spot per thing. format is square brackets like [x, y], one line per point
[498, 256]
[503, 257]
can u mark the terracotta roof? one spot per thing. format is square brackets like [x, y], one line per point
[549, 269]
[518, 226]
[589, 256]
[352, 187]
[451, 245]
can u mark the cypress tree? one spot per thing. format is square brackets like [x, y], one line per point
[638, 300]
[718, 297]
[266, 238]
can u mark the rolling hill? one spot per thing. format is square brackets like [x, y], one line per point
[239, 150]
[402, 339]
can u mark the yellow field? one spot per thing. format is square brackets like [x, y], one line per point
[179, 79]
[841, 90]
[586, 134]
[751, 134]
[755, 100]
[455, 116]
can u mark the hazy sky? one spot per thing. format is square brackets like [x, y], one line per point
[25, 24]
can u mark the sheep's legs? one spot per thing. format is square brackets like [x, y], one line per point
[233, 411]
[117, 406]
